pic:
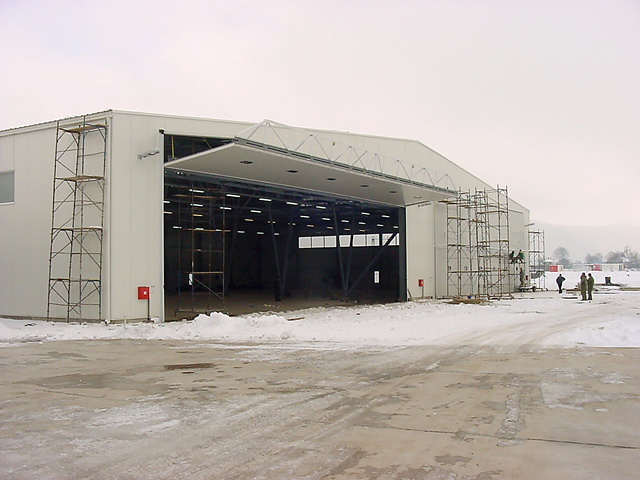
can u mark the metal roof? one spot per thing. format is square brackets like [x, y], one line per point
[277, 154]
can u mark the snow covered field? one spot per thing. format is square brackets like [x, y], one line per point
[612, 319]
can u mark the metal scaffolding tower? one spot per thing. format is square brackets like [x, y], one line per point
[198, 212]
[492, 220]
[462, 262]
[77, 222]
[478, 244]
[536, 259]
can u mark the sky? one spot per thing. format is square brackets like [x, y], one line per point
[539, 96]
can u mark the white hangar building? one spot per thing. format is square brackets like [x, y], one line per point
[126, 216]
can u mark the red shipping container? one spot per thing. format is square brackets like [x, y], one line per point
[553, 268]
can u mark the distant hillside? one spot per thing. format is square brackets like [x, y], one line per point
[581, 240]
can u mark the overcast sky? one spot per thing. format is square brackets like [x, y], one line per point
[537, 95]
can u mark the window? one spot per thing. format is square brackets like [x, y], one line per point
[360, 240]
[304, 242]
[180, 146]
[7, 187]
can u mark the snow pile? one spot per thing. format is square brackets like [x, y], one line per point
[620, 332]
[543, 318]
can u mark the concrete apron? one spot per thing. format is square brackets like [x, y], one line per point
[129, 409]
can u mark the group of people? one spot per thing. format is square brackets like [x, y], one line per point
[516, 257]
[586, 285]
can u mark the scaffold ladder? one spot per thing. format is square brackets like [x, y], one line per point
[77, 222]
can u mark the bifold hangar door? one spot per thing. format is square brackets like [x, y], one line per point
[260, 225]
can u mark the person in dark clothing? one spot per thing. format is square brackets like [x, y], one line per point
[590, 283]
[560, 281]
[583, 286]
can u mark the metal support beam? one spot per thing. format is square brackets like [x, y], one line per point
[287, 253]
[276, 257]
[373, 260]
[343, 276]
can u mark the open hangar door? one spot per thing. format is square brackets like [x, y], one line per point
[238, 247]
[279, 214]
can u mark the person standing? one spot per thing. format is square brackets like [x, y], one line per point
[583, 286]
[560, 281]
[590, 283]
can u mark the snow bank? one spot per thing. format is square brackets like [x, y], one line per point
[620, 332]
[543, 318]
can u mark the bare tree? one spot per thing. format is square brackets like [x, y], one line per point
[562, 257]
[595, 258]
[632, 260]
[615, 257]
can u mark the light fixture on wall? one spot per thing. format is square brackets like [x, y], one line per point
[148, 154]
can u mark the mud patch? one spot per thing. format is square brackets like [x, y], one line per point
[452, 459]
[189, 366]
[75, 356]
[98, 380]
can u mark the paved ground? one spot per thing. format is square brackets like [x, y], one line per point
[125, 410]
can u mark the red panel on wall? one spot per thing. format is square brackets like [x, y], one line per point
[143, 293]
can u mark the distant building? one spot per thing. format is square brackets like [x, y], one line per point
[605, 267]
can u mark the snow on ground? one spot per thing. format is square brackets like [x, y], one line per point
[625, 278]
[541, 318]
